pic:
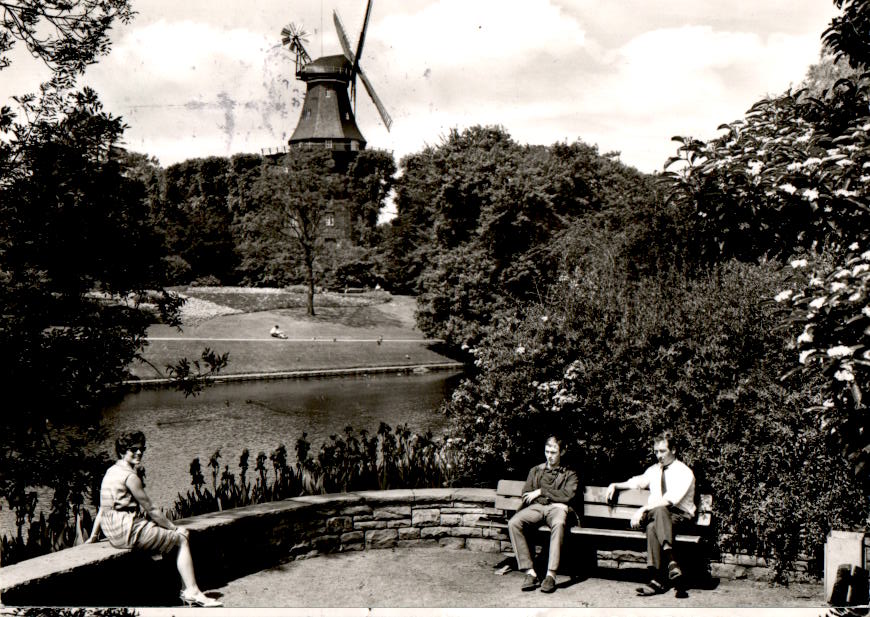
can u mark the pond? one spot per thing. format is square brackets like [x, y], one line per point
[260, 415]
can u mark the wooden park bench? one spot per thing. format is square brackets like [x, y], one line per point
[603, 524]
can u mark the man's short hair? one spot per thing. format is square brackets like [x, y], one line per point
[557, 441]
[128, 439]
[668, 437]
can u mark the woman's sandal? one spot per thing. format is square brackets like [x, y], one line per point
[653, 588]
[199, 599]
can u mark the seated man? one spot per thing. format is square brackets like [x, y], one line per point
[277, 332]
[546, 495]
[671, 501]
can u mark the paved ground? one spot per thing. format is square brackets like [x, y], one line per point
[444, 578]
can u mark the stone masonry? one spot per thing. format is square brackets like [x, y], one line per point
[229, 543]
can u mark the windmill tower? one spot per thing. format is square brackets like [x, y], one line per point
[328, 115]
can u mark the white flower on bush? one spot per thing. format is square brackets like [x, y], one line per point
[754, 168]
[520, 350]
[783, 295]
[810, 194]
[812, 161]
[818, 302]
[840, 351]
[866, 311]
[853, 246]
[828, 403]
[805, 337]
[816, 281]
[793, 166]
[842, 273]
[844, 162]
[798, 263]
[805, 354]
[544, 318]
[788, 188]
[844, 374]
[860, 268]
[845, 193]
[837, 286]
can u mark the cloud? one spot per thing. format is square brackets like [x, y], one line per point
[456, 33]
[624, 75]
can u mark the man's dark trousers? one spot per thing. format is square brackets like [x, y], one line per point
[660, 526]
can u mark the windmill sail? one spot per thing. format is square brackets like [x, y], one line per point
[354, 60]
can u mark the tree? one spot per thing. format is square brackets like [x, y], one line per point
[369, 182]
[848, 36]
[293, 198]
[67, 35]
[80, 267]
[198, 220]
[484, 219]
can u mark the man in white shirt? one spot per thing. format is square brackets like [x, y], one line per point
[671, 502]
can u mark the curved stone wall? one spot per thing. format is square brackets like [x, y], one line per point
[230, 544]
[234, 543]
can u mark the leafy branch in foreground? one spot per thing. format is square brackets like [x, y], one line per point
[191, 377]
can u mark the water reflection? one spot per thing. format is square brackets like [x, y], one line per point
[261, 415]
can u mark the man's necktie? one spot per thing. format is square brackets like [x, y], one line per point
[664, 484]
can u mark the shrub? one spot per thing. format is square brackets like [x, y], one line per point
[208, 280]
[607, 361]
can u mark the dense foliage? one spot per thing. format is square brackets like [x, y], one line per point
[210, 214]
[791, 181]
[606, 360]
[479, 222]
[669, 319]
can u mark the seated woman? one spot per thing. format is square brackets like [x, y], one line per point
[123, 501]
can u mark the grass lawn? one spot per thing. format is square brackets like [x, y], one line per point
[343, 334]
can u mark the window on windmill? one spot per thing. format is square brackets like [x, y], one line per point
[307, 113]
[346, 116]
[354, 145]
[328, 94]
[330, 220]
[327, 143]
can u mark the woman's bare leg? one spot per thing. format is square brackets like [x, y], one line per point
[184, 562]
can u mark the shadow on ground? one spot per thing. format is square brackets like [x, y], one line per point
[434, 577]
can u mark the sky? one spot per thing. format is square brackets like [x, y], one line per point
[203, 78]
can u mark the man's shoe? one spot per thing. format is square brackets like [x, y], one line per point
[674, 571]
[549, 585]
[681, 593]
[530, 583]
[652, 588]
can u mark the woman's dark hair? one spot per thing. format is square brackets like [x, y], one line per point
[128, 439]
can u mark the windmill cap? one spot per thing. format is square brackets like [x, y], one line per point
[336, 65]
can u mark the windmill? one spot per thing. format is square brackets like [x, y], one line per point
[328, 117]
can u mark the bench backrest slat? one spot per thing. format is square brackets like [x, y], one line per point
[509, 498]
[598, 494]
